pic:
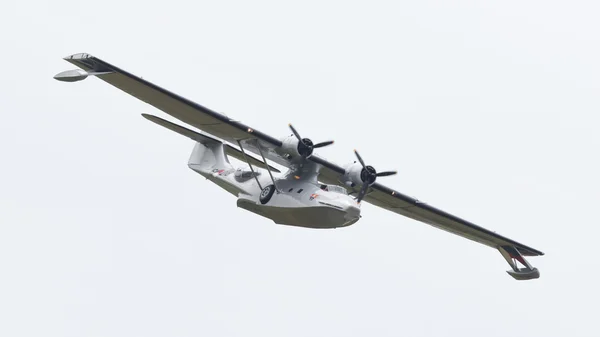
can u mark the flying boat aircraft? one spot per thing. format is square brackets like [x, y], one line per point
[313, 192]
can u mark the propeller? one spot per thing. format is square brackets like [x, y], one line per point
[306, 146]
[368, 175]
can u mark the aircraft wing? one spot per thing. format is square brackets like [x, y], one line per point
[179, 107]
[397, 202]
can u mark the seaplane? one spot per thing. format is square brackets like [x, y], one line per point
[309, 191]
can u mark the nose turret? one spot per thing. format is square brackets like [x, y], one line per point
[342, 208]
[352, 213]
[351, 209]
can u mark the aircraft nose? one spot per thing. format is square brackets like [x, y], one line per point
[352, 211]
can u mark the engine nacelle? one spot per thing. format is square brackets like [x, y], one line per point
[356, 175]
[293, 150]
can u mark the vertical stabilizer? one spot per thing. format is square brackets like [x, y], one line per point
[208, 157]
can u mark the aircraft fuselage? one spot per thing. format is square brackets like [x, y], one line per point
[288, 200]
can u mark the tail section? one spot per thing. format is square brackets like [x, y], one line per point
[206, 140]
[208, 158]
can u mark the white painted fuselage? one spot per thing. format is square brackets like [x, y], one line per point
[295, 201]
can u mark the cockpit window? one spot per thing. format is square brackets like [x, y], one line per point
[334, 188]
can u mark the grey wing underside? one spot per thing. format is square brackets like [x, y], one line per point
[385, 197]
[233, 131]
[179, 107]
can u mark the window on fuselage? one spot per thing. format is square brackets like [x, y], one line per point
[336, 189]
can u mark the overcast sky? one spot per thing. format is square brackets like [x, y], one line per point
[487, 110]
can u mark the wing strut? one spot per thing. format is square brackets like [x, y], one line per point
[268, 168]
[512, 255]
[250, 164]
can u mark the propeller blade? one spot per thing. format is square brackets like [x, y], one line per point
[322, 144]
[360, 159]
[385, 174]
[295, 133]
[362, 193]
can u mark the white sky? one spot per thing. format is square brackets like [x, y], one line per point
[487, 110]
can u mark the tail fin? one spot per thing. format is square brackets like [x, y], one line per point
[208, 154]
[207, 157]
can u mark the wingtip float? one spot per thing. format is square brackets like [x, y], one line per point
[77, 75]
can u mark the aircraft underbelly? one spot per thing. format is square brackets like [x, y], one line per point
[307, 216]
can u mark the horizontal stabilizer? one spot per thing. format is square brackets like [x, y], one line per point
[200, 138]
